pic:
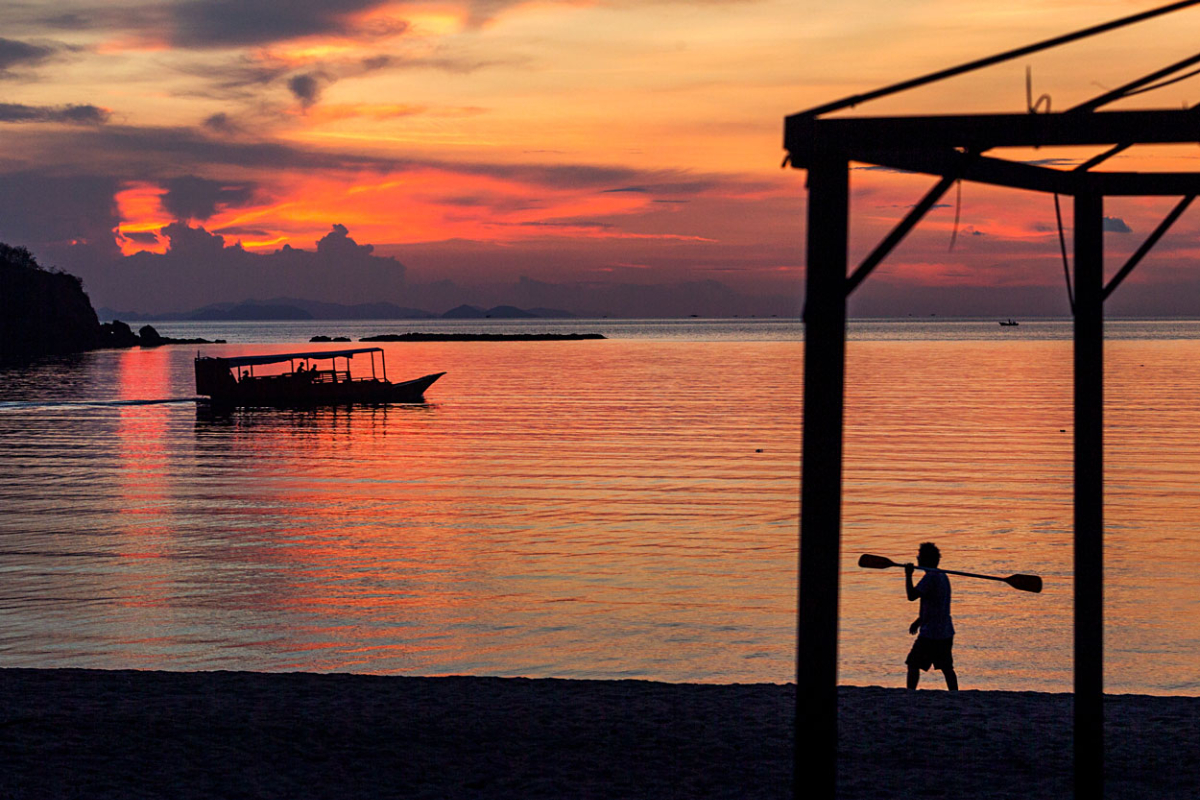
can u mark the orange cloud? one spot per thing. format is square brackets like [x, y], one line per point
[130, 44]
[142, 216]
[297, 54]
[427, 205]
[379, 26]
[420, 20]
[332, 113]
[431, 204]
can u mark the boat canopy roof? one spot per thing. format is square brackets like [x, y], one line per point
[275, 358]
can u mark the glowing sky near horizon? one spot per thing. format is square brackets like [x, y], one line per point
[653, 127]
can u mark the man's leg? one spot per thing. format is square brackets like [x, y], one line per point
[914, 677]
[951, 679]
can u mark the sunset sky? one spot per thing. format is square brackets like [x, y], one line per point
[539, 152]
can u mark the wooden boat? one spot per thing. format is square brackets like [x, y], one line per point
[307, 381]
[1009, 322]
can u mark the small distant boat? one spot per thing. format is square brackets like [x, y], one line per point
[308, 381]
[1008, 322]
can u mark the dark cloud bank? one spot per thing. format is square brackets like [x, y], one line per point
[199, 269]
[207, 24]
[70, 114]
[189, 197]
[14, 53]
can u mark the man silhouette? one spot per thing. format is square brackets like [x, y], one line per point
[935, 642]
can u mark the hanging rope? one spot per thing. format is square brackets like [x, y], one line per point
[1062, 239]
[1029, 101]
[957, 213]
[1062, 243]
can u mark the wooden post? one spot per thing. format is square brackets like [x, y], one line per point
[1089, 495]
[815, 755]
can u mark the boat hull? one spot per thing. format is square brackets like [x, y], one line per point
[295, 391]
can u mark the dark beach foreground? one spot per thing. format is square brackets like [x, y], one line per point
[102, 734]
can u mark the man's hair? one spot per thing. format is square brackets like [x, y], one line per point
[929, 553]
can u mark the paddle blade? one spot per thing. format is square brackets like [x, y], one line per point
[876, 562]
[1026, 583]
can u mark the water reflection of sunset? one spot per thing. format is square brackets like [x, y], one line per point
[971, 446]
[144, 472]
[146, 501]
[597, 509]
[475, 516]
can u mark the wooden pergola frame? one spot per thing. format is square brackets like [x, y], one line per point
[953, 148]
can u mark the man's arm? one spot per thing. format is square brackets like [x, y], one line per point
[909, 589]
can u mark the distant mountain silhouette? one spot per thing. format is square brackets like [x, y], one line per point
[509, 312]
[279, 308]
[106, 313]
[294, 308]
[381, 310]
[505, 312]
[249, 311]
[465, 312]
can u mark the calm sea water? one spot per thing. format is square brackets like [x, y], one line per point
[617, 508]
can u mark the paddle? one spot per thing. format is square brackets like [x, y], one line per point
[1026, 583]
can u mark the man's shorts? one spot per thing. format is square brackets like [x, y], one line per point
[935, 652]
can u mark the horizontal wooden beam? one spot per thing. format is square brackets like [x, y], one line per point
[807, 137]
[975, 168]
[1031, 177]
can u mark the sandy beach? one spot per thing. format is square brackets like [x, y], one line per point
[101, 734]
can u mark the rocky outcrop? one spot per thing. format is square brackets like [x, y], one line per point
[46, 312]
[147, 336]
[117, 334]
[42, 311]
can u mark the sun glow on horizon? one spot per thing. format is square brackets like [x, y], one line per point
[420, 205]
[635, 133]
